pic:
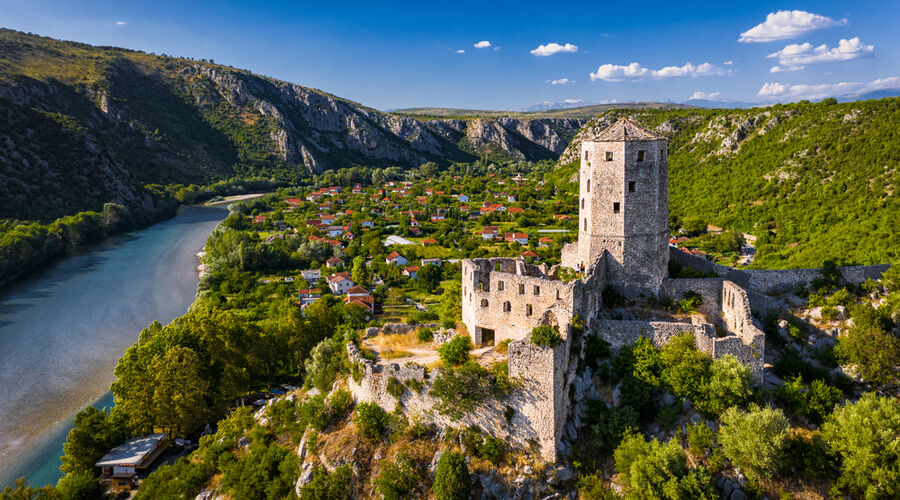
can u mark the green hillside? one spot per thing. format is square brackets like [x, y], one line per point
[812, 181]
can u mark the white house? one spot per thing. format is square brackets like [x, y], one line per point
[334, 231]
[462, 198]
[435, 262]
[339, 283]
[396, 259]
[124, 462]
[311, 275]
[412, 272]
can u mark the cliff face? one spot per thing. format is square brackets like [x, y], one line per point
[156, 119]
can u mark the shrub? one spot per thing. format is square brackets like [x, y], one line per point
[425, 335]
[461, 389]
[691, 301]
[814, 401]
[323, 365]
[700, 439]
[492, 450]
[398, 480]
[730, 384]
[607, 425]
[546, 336]
[640, 396]
[648, 364]
[371, 421]
[328, 486]
[685, 369]
[451, 478]
[595, 350]
[807, 455]
[871, 347]
[414, 384]
[591, 487]
[456, 351]
[82, 485]
[394, 388]
[866, 436]
[754, 440]
[655, 470]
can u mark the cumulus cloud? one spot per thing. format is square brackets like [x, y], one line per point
[482, 44]
[728, 63]
[708, 96]
[797, 56]
[460, 51]
[786, 24]
[121, 23]
[561, 81]
[553, 48]
[821, 91]
[634, 71]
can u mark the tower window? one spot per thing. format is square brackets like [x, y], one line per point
[507, 307]
[640, 156]
[500, 286]
[585, 224]
[582, 203]
[588, 185]
[537, 290]
[484, 302]
[528, 310]
[609, 156]
[587, 155]
[631, 185]
[616, 207]
[521, 289]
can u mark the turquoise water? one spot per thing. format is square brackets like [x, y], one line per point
[63, 329]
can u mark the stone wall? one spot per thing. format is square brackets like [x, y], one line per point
[774, 280]
[621, 333]
[513, 300]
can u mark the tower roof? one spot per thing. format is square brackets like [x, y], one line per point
[625, 130]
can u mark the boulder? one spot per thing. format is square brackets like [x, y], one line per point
[738, 494]
[434, 461]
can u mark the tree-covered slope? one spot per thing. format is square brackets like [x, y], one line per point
[811, 181]
[172, 120]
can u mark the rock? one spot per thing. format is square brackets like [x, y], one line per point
[304, 479]
[571, 432]
[727, 488]
[694, 418]
[738, 494]
[301, 450]
[371, 332]
[314, 391]
[243, 442]
[377, 455]
[434, 461]
[205, 495]
[564, 474]
[579, 389]
[527, 470]
[617, 394]
[668, 398]
[562, 448]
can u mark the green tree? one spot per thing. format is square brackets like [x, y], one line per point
[323, 365]
[685, 369]
[429, 277]
[80, 486]
[451, 478]
[360, 272]
[371, 420]
[398, 480]
[656, 470]
[754, 440]
[545, 335]
[456, 351]
[866, 436]
[451, 305]
[179, 394]
[94, 433]
[730, 384]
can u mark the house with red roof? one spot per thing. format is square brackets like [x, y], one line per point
[334, 262]
[396, 259]
[545, 242]
[429, 241]
[339, 283]
[411, 271]
[522, 238]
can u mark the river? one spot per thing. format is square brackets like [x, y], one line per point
[63, 329]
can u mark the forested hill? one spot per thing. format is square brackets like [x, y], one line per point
[812, 181]
[84, 124]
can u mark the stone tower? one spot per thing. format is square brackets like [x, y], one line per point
[624, 206]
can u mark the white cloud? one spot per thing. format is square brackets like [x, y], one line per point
[553, 48]
[460, 51]
[728, 63]
[797, 55]
[482, 44]
[821, 91]
[708, 96]
[634, 71]
[573, 101]
[121, 23]
[561, 81]
[786, 24]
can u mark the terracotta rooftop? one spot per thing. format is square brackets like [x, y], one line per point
[626, 130]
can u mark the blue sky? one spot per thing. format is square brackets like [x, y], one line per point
[406, 54]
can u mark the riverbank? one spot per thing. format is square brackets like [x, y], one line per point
[87, 309]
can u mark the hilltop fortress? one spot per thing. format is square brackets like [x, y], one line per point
[622, 247]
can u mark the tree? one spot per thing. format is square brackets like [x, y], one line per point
[398, 480]
[545, 335]
[429, 277]
[360, 272]
[323, 365]
[754, 440]
[451, 305]
[866, 436]
[656, 470]
[80, 486]
[451, 477]
[94, 433]
[179, 394]
[456, 351]
[371, 421]
[871, 347]
[685, 369]
[730, 384]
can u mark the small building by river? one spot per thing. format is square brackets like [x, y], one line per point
[124, 462]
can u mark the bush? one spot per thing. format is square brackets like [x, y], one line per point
[866, 436]
[328, 486]
[591, 487]
[607, 425]
[546, 336]
[398, 480]
[183, 479]
[807, 455]
[871, 347]
[461, 389]
[371, 421]
[655, 470]
[754, 440]
[730, 384]
[451, 478]
[641, 396]
[595, 350]
[685, 369]
[81, 486]
[323, 365]
[648, 364]
[691, 301]
[395, 388]
[700, 439]
[814, 401]
[424, 335]
[456, 351]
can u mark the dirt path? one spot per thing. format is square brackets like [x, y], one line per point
[424, 355]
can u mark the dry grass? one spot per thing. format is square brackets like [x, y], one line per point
[390, 354]
[400, 342]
